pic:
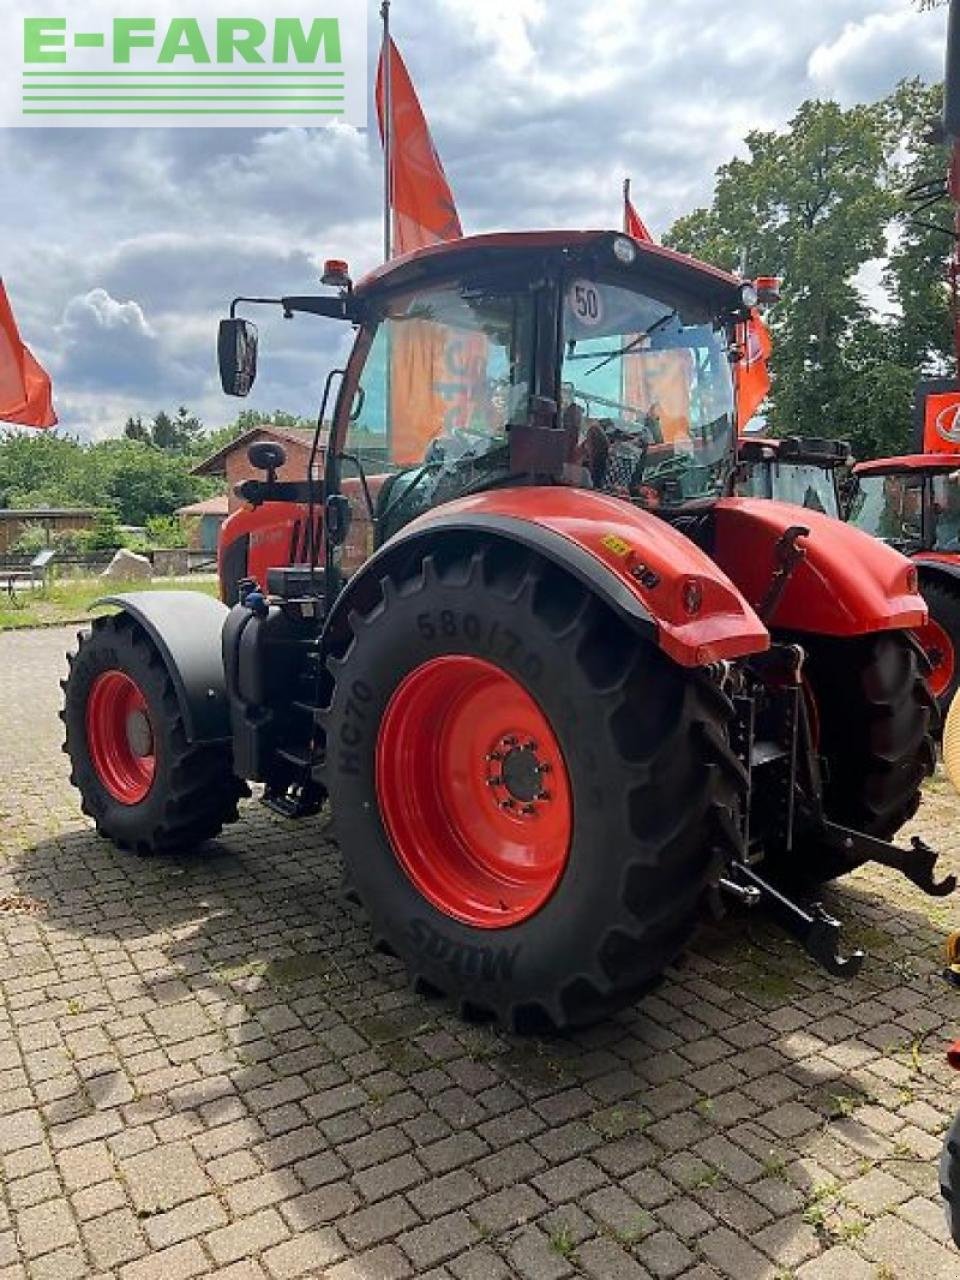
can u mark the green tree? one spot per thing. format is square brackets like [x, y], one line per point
[809, 204]
[917, 270]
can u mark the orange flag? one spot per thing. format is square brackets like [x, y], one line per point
[633, 224]
[424, 212]
[434, 374]
[751, 374]
[25, 392]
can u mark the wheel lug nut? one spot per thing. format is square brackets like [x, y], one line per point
[494, 782]
[543, 795]
[543, 768]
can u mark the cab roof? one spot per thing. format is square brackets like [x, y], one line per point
[909, 462]
[715, 286]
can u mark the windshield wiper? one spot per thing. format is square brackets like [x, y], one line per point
[631, 346]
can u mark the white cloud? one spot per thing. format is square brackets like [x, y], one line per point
[122, 247]
[882, 47]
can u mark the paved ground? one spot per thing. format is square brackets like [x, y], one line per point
[203, 1069]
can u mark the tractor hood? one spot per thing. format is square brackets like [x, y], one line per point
[848, 584]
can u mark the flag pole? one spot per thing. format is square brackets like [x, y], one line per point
[626, 203]
[387, 64]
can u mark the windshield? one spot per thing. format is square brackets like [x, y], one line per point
[448, 369]
[807, 486]
[889, 507]
[650, 394]
[945, 513]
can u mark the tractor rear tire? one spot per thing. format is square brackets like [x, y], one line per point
[874, 717]
[530, 798]
[147, 788]
[940, 640]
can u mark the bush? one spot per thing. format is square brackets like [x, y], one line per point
[33, 538]
[166, 532]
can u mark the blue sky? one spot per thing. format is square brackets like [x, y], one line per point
[121, 247]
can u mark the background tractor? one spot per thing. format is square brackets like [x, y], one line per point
[561, 689]
[801, 470]
[913, 504]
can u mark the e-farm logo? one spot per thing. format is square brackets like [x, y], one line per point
[217, 64]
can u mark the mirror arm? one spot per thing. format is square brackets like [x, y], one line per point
[267, 302]
[341, 308]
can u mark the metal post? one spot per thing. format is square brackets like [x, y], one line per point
[626, 204]
[386, 63]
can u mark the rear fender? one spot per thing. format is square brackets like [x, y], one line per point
[849, 584]
[185, 627]
[646, 571]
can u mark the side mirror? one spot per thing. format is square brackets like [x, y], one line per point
[237, 354]
[266, 455]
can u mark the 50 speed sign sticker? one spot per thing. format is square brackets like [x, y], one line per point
[586, 303]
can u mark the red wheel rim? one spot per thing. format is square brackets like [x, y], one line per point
[474, 792]
[120, 737]
[938, 647]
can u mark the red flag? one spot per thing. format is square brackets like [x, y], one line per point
[751, 373]
[25, 392]
[424, 211]
[633, 224]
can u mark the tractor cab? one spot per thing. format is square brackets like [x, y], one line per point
[576, 359]
[794, 469]
[912, 502]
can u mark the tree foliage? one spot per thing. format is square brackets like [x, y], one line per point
[141, 477]
[817, 204]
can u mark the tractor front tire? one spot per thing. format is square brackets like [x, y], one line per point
[530, 799]
[147, 788]
[873, 718]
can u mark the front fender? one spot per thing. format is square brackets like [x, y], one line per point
[849, 584]
[651, 575]
[185, 627]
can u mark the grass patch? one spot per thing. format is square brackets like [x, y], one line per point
[69, 599]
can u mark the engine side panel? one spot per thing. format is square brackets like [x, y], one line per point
[849, 584]
[641, 566]
[256, 539]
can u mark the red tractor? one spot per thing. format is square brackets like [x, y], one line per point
[561, 688]
[913, 504]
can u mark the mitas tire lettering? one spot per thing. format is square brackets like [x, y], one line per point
[463, 960]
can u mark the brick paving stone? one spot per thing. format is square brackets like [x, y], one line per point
[113, 1239]
[839, 1263]
[164, 1177]
[149, 1064]
[438, 1240]
[184, 1222]
[180, 1262]
[386, 1263]
[533, 1257]
[44, 1227]
[249, 1235]
[303, 1255]
[734, 1257]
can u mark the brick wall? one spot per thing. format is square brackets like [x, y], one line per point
[295, 468]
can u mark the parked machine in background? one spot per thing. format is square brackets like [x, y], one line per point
[804, 471]
[913, 504]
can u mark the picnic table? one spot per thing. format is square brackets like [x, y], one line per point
[37, 571]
